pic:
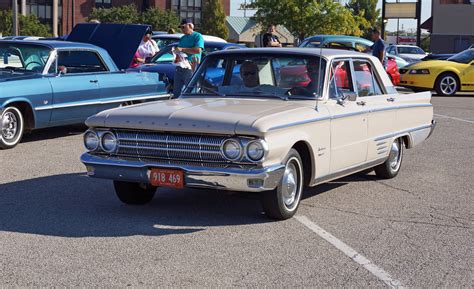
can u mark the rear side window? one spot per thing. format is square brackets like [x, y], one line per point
[365, 79]
[341, 80]
[80, 61]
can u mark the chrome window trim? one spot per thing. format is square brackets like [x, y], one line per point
[52, 58]
[99, 102]
[87, 50]
[377, 76]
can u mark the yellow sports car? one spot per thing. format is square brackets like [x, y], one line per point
[445, 76]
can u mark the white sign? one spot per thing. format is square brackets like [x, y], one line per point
[400, 10]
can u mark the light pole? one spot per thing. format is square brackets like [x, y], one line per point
[15, 17]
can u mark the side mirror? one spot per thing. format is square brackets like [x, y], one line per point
[349, 96]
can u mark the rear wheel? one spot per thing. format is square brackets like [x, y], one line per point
[390, 168]
[134, 193]
[283, 202]
[12, 127]
[447, 84]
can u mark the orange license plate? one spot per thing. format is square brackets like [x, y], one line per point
[167, 178]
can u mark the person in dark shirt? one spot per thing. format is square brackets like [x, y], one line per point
[270, 39]
[378, 48]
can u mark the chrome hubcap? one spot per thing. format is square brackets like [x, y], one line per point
[291, 184]
[395, 155]
[9, 126]
[448, 85]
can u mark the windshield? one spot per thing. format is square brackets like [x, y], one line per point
[280, 76]
[410, 50]
[23, 58]
[163, 42]
[465, 56]
[164, 56]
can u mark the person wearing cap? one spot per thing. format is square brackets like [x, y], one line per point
[192, 44]
[148, 47]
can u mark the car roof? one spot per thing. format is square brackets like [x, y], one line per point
[53, 44]
[336, 36]
[325, 52]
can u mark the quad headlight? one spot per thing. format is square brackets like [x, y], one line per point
[91, 140]
[232, 149]
[256, 150]
[109, 142]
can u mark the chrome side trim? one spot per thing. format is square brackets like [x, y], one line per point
[75, 104]
[348, 171]
[348, 115]
[299, 123]
[402, 132]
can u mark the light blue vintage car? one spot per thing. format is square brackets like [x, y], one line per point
[54, 83]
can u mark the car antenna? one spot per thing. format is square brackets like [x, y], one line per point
[319, 72]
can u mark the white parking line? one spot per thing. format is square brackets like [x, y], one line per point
[455, 118]
[351, 253]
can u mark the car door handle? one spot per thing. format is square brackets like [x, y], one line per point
[93, 81]
[391, 99]
[361, 102]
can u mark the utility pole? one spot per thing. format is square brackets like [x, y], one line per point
[418, 23]
[23, 7]
[55, 18]
[383, 20]
[15, 17]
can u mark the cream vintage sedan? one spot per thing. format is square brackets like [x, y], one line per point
[261, 120]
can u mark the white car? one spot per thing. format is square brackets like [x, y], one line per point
[410, 53]
[263, 120]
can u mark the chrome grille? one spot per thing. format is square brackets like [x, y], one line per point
[166, 146]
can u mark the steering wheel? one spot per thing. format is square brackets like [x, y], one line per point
[33, 62]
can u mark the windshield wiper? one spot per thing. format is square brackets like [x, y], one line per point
[261, 95]
[214, 92]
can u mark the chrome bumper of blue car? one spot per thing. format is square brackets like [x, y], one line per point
[233, 179]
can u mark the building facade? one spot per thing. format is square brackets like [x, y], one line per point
[452, 27]
[72, 12]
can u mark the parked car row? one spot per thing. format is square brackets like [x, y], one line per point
[269, 121]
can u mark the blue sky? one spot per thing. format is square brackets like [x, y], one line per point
[391, 25]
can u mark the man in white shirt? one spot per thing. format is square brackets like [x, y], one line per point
[148, 47]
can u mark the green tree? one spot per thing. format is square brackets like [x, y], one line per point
[308, 17]
[127, 14]
[28, 25]
[159, 19]
[368, 10]
[214, 22]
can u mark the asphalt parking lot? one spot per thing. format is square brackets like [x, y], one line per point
[61, 228]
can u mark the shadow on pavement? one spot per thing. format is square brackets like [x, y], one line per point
[73, 205]
[53, 132]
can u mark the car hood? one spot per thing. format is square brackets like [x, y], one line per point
[225, 116]
[430, 64]
[120, 40]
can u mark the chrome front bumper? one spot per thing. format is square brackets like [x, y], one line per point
[233, 179]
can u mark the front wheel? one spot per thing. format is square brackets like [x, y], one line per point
[12, 127]
[446, 84]
[390, 168]
[134, 193]
[283, 202]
